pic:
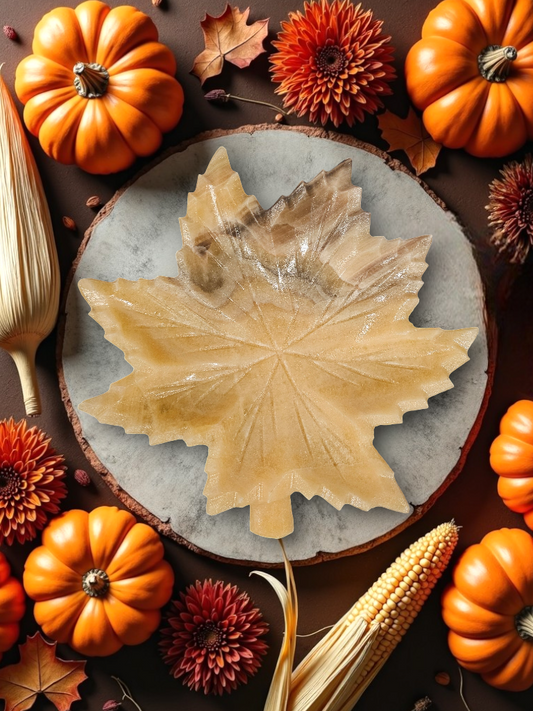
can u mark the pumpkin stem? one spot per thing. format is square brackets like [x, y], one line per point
[524, 623]
[494, 62]
[95, 583]
[91, 80]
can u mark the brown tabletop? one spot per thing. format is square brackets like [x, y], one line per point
[328, 589]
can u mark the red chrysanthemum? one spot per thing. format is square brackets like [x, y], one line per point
[213, 641]
[31, 481]
[511, 210]
[332, 62]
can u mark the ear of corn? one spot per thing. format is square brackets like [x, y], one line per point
[339, 669]
[398, 595]
[29, 270]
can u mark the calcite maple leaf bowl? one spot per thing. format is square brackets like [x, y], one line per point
[172, 476]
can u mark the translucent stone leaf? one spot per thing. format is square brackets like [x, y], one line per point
[283, 342]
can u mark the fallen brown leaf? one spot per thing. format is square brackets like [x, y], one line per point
[229, 37]
[409, 135]
[39, 671]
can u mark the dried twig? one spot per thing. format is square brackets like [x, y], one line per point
[126, 695]
[461, 685]
[222, 97]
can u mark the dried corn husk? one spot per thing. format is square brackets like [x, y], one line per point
[327, 676]
[29, 269]
[278, 694]
[339, 669]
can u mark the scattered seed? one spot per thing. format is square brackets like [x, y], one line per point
[70, 224]
[112, 705]
[94, 201]
[10, 33]
[278, 118]
[442, 678]
[82, 477]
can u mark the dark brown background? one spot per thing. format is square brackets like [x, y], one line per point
[326, 590]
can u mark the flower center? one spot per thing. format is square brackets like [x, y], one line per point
[95, 583]
[10, 483]
[209, 636]
[90, 80]
[331, 60]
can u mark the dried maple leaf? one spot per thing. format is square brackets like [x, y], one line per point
[410, 135]
[40, 672]
[229, 37]
[282, 344]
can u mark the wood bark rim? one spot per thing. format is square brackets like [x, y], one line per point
[138, 509]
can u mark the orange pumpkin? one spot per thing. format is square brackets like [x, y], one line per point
[12, 606]
[489, 609]
[99, 89]
[99, 580]
[511, 456]
[472, 75]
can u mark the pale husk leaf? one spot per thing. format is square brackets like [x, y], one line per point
[29, 269]
[279, 691]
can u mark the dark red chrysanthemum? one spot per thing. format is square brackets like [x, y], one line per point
[213, 641]
[332, 62]
[511, 210]
[31, 481]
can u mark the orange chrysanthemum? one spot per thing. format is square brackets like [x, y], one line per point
[333, 62]
[31, 481]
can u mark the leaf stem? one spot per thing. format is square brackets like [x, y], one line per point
[126, 693]
[256, 101]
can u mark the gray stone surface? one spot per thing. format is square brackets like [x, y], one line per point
[139, 239]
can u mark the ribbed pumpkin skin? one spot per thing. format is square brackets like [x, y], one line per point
[12, 606]
[461, 108]
[511, 456]
[142, 101]
[130, 553]
[492, 583]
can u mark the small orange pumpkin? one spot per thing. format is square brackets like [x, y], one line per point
[99, 580]
[511, 456]
[99, 88]
[472, 75]
[489, 609]
[12, 606]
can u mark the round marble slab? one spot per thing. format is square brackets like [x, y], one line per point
[137, 235]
